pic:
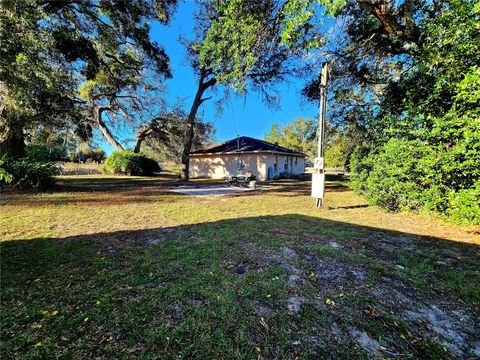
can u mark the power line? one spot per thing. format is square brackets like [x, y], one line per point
[233, 114]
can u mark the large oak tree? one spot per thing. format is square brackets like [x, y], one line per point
[51, 49]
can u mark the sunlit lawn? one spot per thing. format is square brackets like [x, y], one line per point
[115, 267]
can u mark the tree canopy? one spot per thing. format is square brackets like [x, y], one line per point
[405, 84]
[60, 58]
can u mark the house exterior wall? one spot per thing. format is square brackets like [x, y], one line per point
[286, 164]
[223, 166]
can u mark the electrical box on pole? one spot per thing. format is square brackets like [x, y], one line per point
[318, 176]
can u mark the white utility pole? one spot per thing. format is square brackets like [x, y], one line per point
[318, 177]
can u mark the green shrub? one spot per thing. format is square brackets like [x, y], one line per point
[45, 154]
[464, 205]
[5, 176]
[416, 175]
[390, 176]
[130, 163]
[26, 173]
[89, 155]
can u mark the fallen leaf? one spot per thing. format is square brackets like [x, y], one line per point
[54, 313]
[86, 319]
[264, 323]
[329, 302]
[38, 344]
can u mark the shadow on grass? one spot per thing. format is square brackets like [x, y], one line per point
[349, 207]
[145, 287]
[111, 183]
[269, 230]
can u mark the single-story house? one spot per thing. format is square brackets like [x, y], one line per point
[237, 156]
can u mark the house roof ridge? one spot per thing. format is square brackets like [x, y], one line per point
[244, 144]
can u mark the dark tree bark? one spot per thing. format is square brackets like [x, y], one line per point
[203, 85]
[105, 130]
[12, 139]
[389, 21]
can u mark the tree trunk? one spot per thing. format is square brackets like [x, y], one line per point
[142, 135]
[105, 130]
[138, 144]
[12, 139]
[197, 101]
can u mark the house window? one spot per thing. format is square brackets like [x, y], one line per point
[296, 161]
[275, 166]
[239, 164]
[285, 166]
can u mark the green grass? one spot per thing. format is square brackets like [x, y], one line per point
[81, 280]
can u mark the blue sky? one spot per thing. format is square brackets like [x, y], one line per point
[245, 114]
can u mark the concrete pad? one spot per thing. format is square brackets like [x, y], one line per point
[209, 190]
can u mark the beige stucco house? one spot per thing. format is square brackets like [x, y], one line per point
[237, 156]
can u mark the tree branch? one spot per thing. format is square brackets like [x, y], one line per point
[105, 130]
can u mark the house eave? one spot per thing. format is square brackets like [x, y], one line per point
[246, 152]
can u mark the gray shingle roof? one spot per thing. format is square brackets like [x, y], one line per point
[244, 144]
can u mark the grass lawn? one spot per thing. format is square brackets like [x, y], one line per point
[112, 267]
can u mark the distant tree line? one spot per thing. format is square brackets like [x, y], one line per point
[302, 135]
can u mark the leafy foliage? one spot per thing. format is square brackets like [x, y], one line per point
[301, 135]
[166, 140]
[432, 113]
[298, 135]
[60, 60]
[88, 155]
[35, 86]
[242, 46]
[428, 173]
[46, 154]
[338, 148]
[406, 90]
[130, 163]
[27, 173]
